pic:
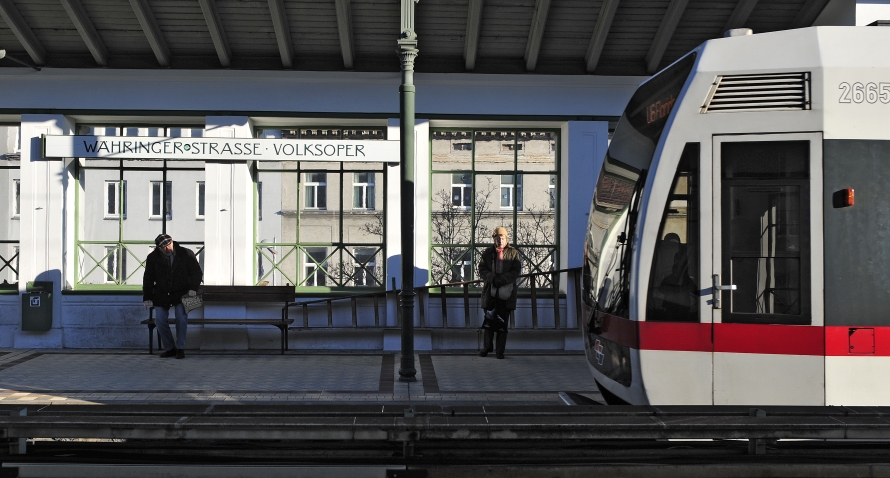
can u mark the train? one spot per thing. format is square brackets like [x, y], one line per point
[738, 242]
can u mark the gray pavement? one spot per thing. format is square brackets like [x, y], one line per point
[38, 376]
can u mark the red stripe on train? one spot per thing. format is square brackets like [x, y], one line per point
[749, 338]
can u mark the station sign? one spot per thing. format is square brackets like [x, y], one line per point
[219, 149]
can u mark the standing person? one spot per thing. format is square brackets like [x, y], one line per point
[171, 271]
[499, 269]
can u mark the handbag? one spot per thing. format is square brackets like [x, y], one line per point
[190, 303]
[503, 292]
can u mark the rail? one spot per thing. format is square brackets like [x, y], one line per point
[426, 293]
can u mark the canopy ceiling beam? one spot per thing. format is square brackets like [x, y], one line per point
[344, 27]
[600, 33]
[282, 32]
[808, 13]
[217, 32]
[536, 34]
[664, 34]
[474, 24]
[22, 31]
[740, 14]
[87, 31]
[152, 31]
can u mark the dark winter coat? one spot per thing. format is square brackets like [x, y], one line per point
[165, 285]
[512, 269]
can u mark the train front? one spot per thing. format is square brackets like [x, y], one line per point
[609, 321]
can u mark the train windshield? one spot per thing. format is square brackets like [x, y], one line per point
[618, 190]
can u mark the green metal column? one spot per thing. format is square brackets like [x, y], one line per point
[407, 53]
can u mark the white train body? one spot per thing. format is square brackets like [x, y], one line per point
[738, 250]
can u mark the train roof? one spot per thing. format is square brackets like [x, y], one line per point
[803, 48]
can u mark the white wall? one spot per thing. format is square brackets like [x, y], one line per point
[273, 93]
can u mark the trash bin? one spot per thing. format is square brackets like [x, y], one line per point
[37, 306]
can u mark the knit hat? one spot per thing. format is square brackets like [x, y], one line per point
[162, 240]
[500, 231]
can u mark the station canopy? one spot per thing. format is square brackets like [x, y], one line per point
[564, 37]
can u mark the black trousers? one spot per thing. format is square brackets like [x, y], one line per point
[497, 316]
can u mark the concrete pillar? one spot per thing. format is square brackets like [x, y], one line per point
[228, 233]
[44, 220]
[393, 249]
[229, 213]
[584, 145]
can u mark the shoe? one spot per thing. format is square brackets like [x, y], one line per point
[501, 344]
[486, 342]
[169, 353]
[180, 354]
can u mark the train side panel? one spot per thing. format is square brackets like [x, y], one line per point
[857, 271]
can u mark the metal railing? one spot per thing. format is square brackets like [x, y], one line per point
[426, 294]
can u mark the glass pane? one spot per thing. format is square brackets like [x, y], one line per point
[766, 286]
[765, 220]
[327, 133]
[495, 150]
[364, 133]
[320, 222]
[765, 249]
[487, 210]
[133, 256]
[450, 223]
[143, 200]
[278, 208]
[93, 223]
[766, 159]
[673, 282]
[366, 268]
[183, 225]
[536, 151]
[9, 263]
[451, 264]
[364, 223]
[452, 150]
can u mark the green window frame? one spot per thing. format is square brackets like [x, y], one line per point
[320, 226]
[471, 171]
[112, 240]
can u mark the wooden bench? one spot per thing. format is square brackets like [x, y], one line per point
[238, 294]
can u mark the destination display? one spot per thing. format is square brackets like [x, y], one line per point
[219, 149]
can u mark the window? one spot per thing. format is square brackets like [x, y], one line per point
[363, 191]
[259, 201]
[315, 265]
[161, 200]
[461, 191]
[115, 265]
[320, 224]
[364, 268]
[511, 191]
[316, 191]
[115, 199]
[123, 204]
[673, 282]
[507, 178]
[199, 200]
[551, 191]
[16, 198]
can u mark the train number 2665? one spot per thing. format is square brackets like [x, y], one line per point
[868, 92]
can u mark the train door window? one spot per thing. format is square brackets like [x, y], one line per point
[765, 231]
[673, 282]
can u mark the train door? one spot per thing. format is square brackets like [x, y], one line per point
[766, 283]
